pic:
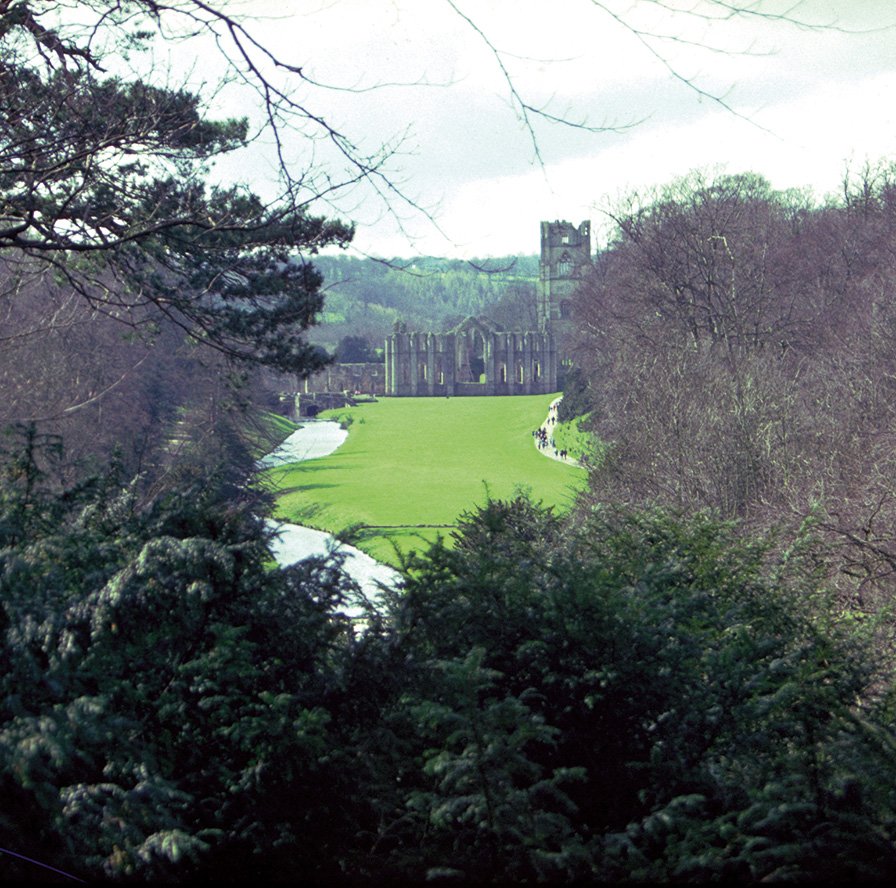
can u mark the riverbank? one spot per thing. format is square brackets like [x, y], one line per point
[411, 466]
[294, 542]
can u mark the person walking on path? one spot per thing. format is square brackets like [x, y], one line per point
[544, 440]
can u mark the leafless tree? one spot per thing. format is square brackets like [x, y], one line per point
[742, 357]
[106, 192]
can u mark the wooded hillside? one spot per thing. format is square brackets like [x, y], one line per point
[365, 297]
[739, 346]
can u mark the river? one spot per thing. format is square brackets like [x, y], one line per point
[293, 542]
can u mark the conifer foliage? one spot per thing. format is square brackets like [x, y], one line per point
[105, 181]
[637, 697]
[629, 697]
[163, 691]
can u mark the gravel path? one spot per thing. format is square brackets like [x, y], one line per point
[548, 426]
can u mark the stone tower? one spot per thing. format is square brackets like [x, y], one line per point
[565, 255]
[480, 358]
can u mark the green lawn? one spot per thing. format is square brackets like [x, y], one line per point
[410, 466]
[578, 443]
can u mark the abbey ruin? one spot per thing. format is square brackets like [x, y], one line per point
[478, 357]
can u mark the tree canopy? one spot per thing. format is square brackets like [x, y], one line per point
[105, 183]
[627, 694]
[737, 342]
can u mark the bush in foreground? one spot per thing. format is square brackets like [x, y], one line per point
[632, 698]
[628, 697]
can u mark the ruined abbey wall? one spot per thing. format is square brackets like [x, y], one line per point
[473, 359]
[477, 357]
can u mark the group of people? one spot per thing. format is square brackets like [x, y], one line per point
[544, 441]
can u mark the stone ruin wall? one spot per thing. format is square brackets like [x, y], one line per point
[351, 379]
[477, 357]
[474, 359]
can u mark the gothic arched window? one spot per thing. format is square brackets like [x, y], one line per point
[564, 266]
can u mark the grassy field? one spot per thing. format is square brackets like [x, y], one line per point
[578, 443]
[410, 466]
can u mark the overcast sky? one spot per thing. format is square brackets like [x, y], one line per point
[802, 104]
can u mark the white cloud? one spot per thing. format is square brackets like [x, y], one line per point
[812, 139]
[823, 94]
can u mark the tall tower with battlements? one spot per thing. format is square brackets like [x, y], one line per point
[565, 257]
[480, 358]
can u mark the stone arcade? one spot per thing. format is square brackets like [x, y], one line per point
[476, 358]
[479, 358]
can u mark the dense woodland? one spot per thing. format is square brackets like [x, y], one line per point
[689, 678]
[738, 345]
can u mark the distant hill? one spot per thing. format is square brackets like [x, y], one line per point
[364, 297]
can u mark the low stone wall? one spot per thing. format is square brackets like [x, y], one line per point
[368, 379]
[309, 404]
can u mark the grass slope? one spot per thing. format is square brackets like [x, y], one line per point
[579, 444]
[265, 432]
[410, 466]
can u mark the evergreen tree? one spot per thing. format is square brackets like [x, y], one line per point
[106, 182]
[165, 697]
[634, 697]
